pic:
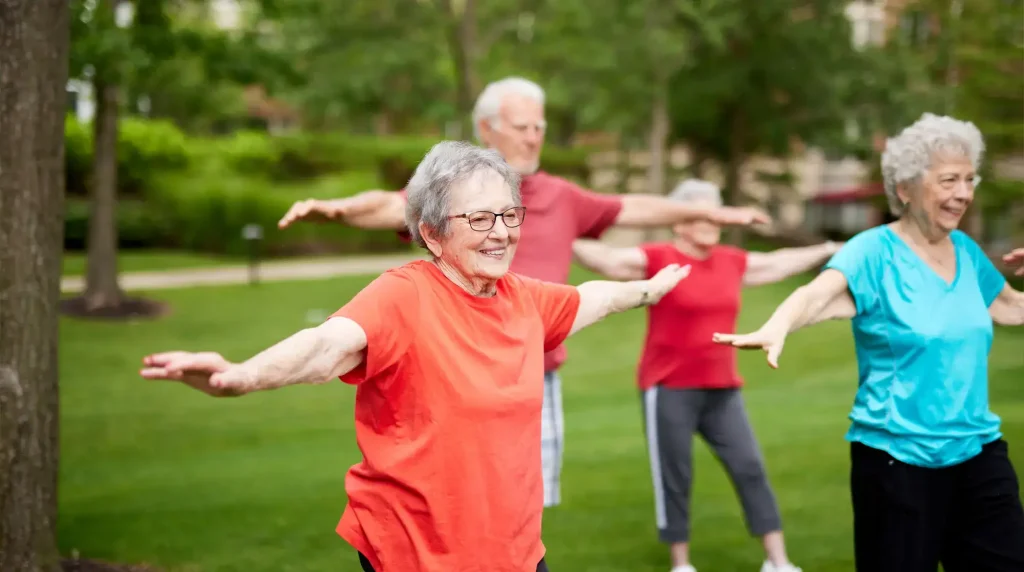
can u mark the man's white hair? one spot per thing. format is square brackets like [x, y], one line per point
[692, 190]
[488, 103]
[908, 155]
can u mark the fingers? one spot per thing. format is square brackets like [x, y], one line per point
[760, 217]
[170, 365]
[155, 373]
[298, 211]
[726, 339]
[162, 359]
[773, 355]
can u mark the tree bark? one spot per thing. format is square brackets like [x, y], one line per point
[658, 142]
[101, 284]
[34, 47]
[462, 43]
[734, 170]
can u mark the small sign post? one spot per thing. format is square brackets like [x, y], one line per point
[253, 235]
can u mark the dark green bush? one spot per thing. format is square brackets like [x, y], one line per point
[144, 149]
[207, 214]
[198, 193]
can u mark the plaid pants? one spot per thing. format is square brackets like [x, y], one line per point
[552, 438]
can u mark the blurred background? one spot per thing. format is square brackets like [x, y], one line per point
[217, 115]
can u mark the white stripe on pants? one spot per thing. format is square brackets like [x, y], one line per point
[552, 438]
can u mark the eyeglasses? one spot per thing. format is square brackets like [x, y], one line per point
[484, 220]
[953, 181]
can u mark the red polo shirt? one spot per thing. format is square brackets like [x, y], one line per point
[557, 213]
[678, 351]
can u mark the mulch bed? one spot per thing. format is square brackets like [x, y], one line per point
[128, 309]
[76, 565]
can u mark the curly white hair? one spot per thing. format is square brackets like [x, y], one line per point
[908, 155]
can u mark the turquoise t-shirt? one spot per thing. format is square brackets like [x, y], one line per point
[922, 349]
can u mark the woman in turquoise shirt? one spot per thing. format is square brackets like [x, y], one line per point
[930, 477]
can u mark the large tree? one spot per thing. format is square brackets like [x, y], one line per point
[786, 74]
[33, 75]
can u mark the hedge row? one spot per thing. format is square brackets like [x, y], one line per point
[208, 215]
[183, 192]
[148, 148]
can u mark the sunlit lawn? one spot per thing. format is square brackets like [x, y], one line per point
[154, 472]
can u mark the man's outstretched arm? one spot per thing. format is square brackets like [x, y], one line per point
[383, 210]
[653, 211]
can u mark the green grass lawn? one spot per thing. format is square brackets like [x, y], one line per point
[154, 472]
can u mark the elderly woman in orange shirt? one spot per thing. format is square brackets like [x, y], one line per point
[447, 356]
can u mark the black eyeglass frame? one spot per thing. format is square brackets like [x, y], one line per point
[521, 211]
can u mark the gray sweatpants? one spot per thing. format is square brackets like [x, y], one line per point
[671, 416]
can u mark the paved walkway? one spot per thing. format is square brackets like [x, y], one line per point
[268, 272]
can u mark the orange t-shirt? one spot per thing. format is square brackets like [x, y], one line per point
[448, 417]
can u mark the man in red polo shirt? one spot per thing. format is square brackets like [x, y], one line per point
[509, 117]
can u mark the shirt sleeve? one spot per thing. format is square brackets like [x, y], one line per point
[990, 280]
[738, 256]
[558, 305]
[386, 311]
[595, 212]
[858, 260]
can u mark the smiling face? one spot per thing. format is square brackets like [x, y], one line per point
[479, 257]
[517, 133]
[938, 202]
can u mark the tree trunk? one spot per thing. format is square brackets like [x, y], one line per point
[462, 43]
[657, 143]
[734, 171]
[101, 285]
[33, 75]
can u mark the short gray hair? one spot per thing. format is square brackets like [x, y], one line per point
[488, 103]
[696, 190]
[447, 164]
[908, 155]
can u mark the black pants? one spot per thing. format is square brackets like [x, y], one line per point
[909, 519]
[367, 567]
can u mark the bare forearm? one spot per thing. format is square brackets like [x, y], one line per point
[601, 298]
[786, 262]
[654, 211]
[312, 355]
[1008, 308]
[799, 310]
[374, 210]
[591, 254]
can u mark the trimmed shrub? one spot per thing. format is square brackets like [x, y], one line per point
[144, 149]
[208, 213]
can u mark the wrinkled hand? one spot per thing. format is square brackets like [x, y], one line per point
[1015, 258]
[740, 216]
[208, 372]
[313, 210]
[664, 281]
[769, 341]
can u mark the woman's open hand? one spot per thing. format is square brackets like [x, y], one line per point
[208, 372]
[769, 341]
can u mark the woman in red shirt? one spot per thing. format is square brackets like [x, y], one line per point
[448, 359]
[689, 383]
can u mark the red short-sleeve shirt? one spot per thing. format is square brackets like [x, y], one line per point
[557, 213]
[678, 351]
[448, 419]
